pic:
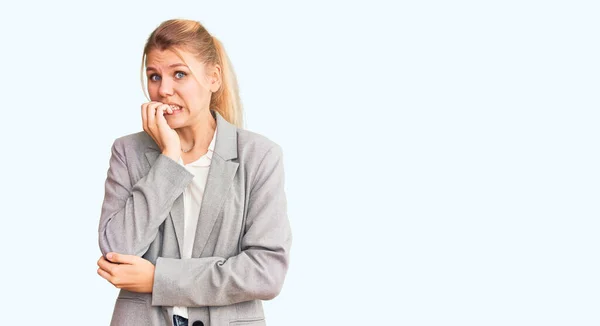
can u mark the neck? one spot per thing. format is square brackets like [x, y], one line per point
[198, 135]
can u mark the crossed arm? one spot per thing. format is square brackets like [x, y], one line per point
[256, 273]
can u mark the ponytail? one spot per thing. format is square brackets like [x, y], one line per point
[226, 100]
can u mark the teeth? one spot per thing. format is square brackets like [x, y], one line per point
[175, 107]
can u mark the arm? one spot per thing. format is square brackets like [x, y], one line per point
[132, 214]
[257, 272]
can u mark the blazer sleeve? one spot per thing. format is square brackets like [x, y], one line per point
[132, 213]
[259, 270]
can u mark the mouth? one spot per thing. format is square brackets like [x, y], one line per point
[175, 108]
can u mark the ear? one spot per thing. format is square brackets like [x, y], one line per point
[215, 78]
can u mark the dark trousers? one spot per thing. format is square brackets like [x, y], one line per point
[179, 321]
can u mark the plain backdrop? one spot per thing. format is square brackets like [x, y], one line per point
[441, 157]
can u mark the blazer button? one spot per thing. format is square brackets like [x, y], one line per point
[198, 323]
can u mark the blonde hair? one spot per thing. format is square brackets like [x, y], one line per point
[190, 35]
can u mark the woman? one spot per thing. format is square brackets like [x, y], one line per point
[194, 226]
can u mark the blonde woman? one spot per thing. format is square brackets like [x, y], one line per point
[193, 228]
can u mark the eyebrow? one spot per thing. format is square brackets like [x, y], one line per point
[171, 66]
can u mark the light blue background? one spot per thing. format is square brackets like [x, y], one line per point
[441, 157]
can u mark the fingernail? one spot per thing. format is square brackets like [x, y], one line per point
[109, 256]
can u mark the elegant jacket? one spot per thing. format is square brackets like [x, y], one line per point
[242, 244]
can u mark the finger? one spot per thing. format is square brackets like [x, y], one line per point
[104, 274]
[101, 260]
[145, 124]
[151, 116]
[160, 116]
[169, 109]
[106, 265]
[111, 279]
[121, 258]
[161, 121]
[144, 116]
[145, 107]
[160, 110]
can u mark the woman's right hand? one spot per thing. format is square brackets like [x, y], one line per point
[155, 125]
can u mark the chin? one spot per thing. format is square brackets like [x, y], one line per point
[174, 124]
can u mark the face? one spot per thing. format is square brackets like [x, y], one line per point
[186, 84]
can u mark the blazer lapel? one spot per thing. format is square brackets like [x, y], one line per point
[177, 217]
[176, 213]
[220, 178]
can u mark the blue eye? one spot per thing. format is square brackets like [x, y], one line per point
[154, 77]
[180, 74]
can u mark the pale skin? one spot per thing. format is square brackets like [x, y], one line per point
[177, 117]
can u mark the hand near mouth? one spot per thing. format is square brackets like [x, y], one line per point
[155, 124]
[172, 108]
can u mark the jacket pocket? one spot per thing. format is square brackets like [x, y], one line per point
[134, 296]
[248, 322]
[130, 311]
[133, 299]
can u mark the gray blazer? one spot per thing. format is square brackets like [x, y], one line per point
[241, 249]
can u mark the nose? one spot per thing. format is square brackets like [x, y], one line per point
[166, 88]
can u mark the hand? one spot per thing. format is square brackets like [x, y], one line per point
[128, 272]
[155, 125]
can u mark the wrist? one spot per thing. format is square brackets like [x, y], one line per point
[172, 155]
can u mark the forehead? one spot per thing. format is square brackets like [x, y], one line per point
[164, 58]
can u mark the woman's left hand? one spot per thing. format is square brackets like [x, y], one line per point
[128, 272]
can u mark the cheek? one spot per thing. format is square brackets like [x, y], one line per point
[153, 91]
[189, 94]
[195, 93]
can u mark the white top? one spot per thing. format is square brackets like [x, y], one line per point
[192, 200]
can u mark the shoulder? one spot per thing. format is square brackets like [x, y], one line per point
[255, 147]
[134, 143]
[260, 158]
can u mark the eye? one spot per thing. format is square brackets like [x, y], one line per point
[154, 77]
[180, 74]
